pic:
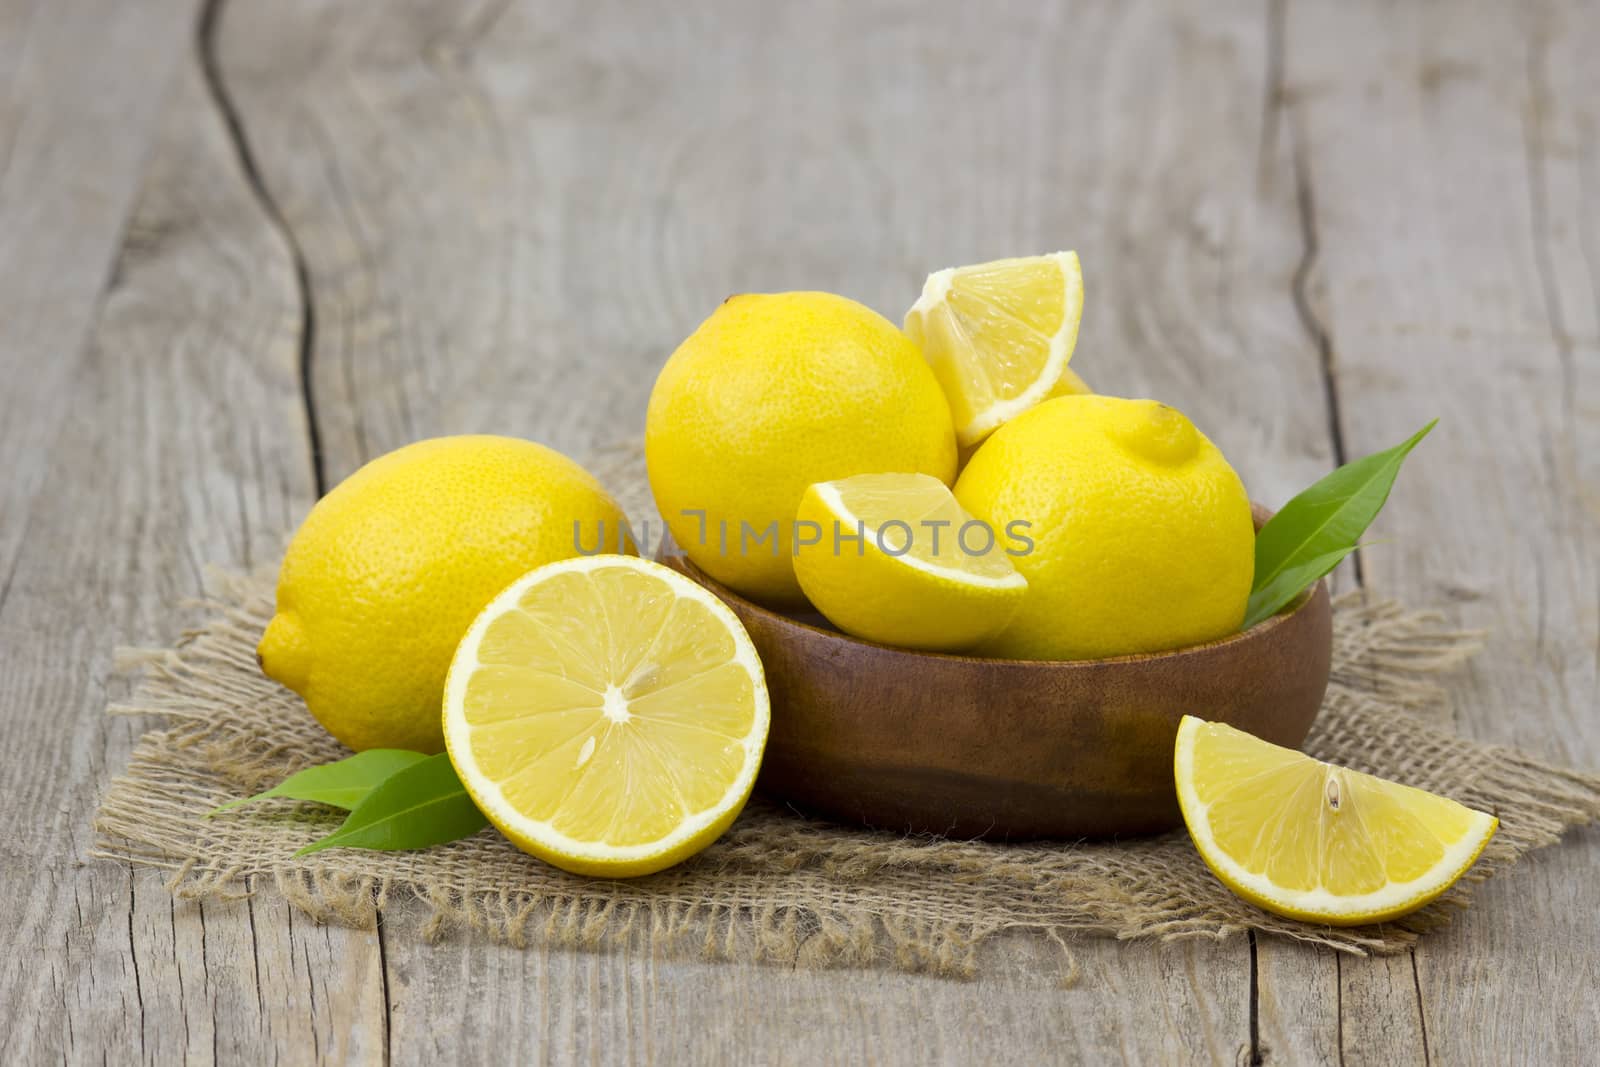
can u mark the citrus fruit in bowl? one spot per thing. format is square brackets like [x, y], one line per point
[772, 393]
[1135, 534]
[999, 336]
[975, 746]
[892, 558]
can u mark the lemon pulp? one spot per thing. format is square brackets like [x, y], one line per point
[1314, 841]
[998, 335]
[897, 560]
[607, 714]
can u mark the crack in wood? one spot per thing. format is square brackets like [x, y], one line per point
[133, 957]
[1338, 1004]
[1305, 204]
[1422, 1015]
[1316, 329]
[255, 948]
[222, 99]
[1257, 1057]
[216, 84]
[383, 969]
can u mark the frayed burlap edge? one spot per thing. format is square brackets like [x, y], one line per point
[778, 887]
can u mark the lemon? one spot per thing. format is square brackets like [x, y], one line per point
[892, 558]
[390, 568]
[772, 393]
[1069, 384]
[1312, 841]
[1135, 532]
[998, 335]
[607, 715]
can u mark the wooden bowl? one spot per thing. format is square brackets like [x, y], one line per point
[1013, 749]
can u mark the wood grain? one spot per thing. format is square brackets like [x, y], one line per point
[1310, 226]
[1455, 277]
[1141, 1003]
[184, 443]
[75, 125]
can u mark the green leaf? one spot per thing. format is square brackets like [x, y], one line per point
[343, 783]
[1321, 526]
[420, 805]
[1289, 584]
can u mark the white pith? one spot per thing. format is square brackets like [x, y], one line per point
[937, 288]
[1394, 896]
[835, 504]
[488, 794]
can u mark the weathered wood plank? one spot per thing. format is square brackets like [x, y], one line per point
[1141, 1004]
[1449, 170]
[76, 118]
[184, 442]
[507, 218]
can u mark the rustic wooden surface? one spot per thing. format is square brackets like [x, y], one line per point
[246, 247]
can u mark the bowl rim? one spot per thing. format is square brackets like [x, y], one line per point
[1259, 630]
[1265, 628]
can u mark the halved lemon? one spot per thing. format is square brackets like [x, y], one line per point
[1312, 841]
[607, 714]
[893, 558]
[998, 335]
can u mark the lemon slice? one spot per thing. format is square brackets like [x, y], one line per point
[607, 714]
[894, 559]
[1313, 841]
[998, 335]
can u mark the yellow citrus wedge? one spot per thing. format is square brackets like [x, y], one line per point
[1316, 842]
[1070, 384]
[998, 335]
[607, 714]
[894, 559]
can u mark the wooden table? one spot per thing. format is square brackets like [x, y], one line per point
[247, 247]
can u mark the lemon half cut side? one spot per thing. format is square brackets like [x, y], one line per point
[607, 714]
[1313, 841]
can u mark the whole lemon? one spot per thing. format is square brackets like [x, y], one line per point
[1138, 534]
[392, 566]
[772, 393]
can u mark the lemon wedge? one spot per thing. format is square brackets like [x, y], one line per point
[893, 558]
[998, 335]
[607, 714]
[1312, 841]
[1070, 384]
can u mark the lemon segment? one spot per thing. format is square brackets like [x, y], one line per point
[998, 335]
[1316, 842]
[893, 558]
[607, 715]
[1070, 384]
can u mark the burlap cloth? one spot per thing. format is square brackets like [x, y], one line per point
[778, 887]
